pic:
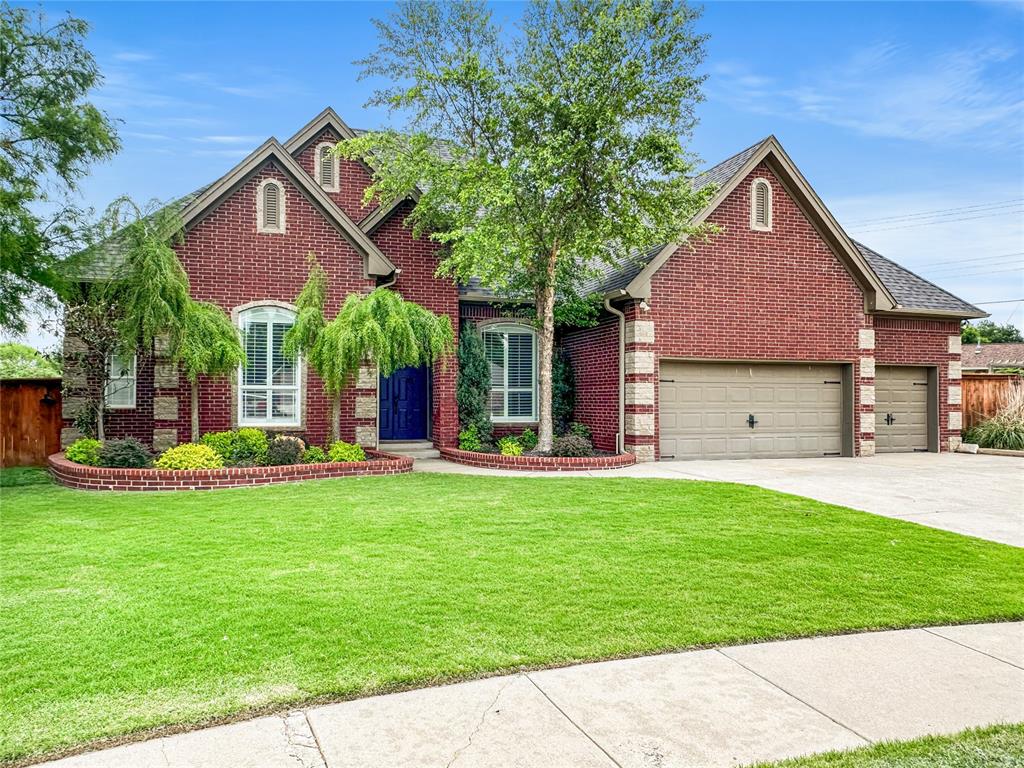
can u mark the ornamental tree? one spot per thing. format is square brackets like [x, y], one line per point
[208, 345]
[537, 158]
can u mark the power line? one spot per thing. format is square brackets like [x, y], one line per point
[1001, 301]
[988, 265]
[984, 272]
[996, 204]
[978, 258]
[944, 221]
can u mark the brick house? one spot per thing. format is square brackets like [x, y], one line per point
[779, 336]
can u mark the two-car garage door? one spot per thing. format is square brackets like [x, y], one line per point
[743, 410]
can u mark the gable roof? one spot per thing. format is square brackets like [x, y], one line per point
[887, 286]
[985, 356]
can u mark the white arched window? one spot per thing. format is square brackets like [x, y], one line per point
[269, 391]
[326, 169]
[270, 204]
[511, 351]
[761, 205]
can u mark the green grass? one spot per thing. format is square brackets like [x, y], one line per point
[999, 746]
[122, 612]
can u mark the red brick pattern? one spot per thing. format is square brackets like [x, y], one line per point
[536, 463]
[594, 355]
[74, 475]
[353, 178]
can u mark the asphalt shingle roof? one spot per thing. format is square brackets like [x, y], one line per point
[985, 356]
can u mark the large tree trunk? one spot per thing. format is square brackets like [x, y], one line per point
[545, 296]
[335, 417]
[195, 411]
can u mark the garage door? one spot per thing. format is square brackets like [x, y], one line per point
[901, 409]
[737, 411]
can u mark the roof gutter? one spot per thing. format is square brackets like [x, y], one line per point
[620, 434]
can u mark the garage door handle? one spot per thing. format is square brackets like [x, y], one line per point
[890, 419]
[751, 421]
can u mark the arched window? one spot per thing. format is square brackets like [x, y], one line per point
[269, 391]
[270, 207]
[326, 169]
[761, 205]
[511, 351]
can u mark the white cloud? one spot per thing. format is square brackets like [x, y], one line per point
[226, 139]
[968, 96]
[221, 152]
[133, 56]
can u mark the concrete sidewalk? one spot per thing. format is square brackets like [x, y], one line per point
[722, 707]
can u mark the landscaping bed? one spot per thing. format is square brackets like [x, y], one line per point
[537, 462]
[73, 475]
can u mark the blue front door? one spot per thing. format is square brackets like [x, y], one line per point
[404, 399]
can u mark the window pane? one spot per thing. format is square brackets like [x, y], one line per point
[284, 406]
[496, 403]
[520, 405]
[255, 371]
[121, 393]
[520, 360]
[494, 351]
[254, 405]
[284, 369]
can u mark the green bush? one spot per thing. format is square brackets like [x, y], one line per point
[189, 456]
[128, 453]
[572, 445]
[242, 447]
[285, 449]
[314, 455]
[563, 392]
[473, 386]
[342, 451]
[528, 439]
[84, 451]
[469, 439]
[1005, 430]
[509, 446]
[580, 430]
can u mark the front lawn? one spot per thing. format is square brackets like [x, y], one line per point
[122, 612]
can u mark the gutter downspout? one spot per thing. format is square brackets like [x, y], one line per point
[376, 389]
[620, 435]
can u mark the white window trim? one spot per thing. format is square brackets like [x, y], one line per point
[238, 316]
[260, 226]
[507, 328]
[131, 376]
[754, 225]
[335, 166]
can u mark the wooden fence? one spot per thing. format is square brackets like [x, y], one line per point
[984, 394]
[30, 421]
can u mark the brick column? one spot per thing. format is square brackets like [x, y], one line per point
[954, 396]
[864, 374]
[166, 414]
[641, 380]
[366, 407]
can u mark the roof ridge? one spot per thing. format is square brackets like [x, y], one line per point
[735, 155]
[912, 272]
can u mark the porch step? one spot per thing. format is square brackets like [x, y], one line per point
[415, 449]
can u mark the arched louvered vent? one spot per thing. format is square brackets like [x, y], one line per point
[270, 207]
[326, 167]
[761, 206]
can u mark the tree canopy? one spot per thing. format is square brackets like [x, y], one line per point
[50, 134]
[20, 361]
[538, 158]
[988, 332]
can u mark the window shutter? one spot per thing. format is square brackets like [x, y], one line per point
[326, 167]
[272, 206]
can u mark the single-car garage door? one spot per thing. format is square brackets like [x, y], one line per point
[741, 411]
[901, 409]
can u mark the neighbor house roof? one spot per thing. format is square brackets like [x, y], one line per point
[984, 357]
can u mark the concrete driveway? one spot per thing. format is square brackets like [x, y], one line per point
[978, 495]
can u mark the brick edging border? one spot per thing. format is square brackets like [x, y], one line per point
[73, 475]
[536, 463]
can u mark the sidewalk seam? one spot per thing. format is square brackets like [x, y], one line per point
[971, 648]
[316, 739]
[574, 723]
[795, 697]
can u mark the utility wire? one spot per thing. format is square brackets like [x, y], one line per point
[936, 212]
[1001, 301]
[978, 258]
[985, 272]
[987, 265]
[945, 221]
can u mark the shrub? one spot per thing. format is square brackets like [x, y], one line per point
[1005, 430]
[242, 447]
[580, 430]
[127, 453]
[528, 439]
[572, 445]
[563, 392]
[84, 451]
[342, 451]
[469, 439]
[473, 386]
[189, 456]
[509, 446]
[285, 449]
[314, 455]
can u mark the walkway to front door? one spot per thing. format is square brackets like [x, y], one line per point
[404, 402]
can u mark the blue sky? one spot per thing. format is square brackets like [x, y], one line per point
[889, 109]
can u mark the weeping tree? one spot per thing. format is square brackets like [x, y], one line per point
[564, 145]
[302, 337]
[208, 345]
